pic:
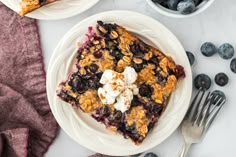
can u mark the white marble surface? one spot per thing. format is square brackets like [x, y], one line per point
[217, 24]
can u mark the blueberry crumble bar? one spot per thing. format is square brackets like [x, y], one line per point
[30, 5]
[121, 81]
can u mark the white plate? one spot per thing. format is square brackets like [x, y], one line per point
[54, 11]
[85, 130]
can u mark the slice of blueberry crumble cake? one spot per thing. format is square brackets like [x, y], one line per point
[27, 6]
[121, 81]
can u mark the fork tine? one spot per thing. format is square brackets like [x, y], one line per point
[213, 115]
[202, 109]
[188, 115]
[206, 113]
[216, 104]
[195, 108]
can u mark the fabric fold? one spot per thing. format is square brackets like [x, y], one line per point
[23, 101]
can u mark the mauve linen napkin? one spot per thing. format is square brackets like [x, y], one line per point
[27, 126]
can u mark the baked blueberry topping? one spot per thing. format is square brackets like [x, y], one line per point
[93, 68]
[202, 81]
[226, 51]
[137, 67]
[221, 79]
[64, 96]
[78, 84]
[145, 90]
[97, 54]
[117, 54]
[233, 65]
[160, 78]
[94, 83]
[180, 73]
[153, 60]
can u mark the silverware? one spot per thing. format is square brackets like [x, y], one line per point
[203, 110]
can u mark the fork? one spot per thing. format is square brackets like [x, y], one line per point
[203, 110]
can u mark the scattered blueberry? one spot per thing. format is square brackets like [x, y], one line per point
[172, 4]
[136, 155]
[186, 6]
[202, 81]
[208, 49]
[197, 2]
[145, 90]
[233, 65]
[226, 51]
[191, 57]
[221, 79]
[150, 155]
[158, 1]
[218, 93]
[183, 6]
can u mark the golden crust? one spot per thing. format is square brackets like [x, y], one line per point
[31, 5]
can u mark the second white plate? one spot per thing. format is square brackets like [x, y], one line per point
[85, 130]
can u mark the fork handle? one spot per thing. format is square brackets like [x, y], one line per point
[185, 149]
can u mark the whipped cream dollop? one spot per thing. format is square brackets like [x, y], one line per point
[118, 88]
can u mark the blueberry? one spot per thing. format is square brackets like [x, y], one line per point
[208, 49]
[221, 79]
[191, 57]
[97, 54]
[145, 90]
[172, 4]
[150, 155]
[186, 6]
[78, 84]
[158, 1]
[202, 81]
[118, 55]
[117, 116]
[93, 68]
[160, 78]
[216, 93]
[94, 83]
[154, 60]
[138, 49]
[136, 101]
[226, 51]
[136, 155]
[233, 65]
[197, 2]
[180, 73]
[138, 67]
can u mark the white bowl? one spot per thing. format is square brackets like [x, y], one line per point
[175, 14]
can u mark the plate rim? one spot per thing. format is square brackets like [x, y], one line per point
[117, 13]
[51, 18]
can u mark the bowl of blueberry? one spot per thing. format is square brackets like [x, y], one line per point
[180, 8]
